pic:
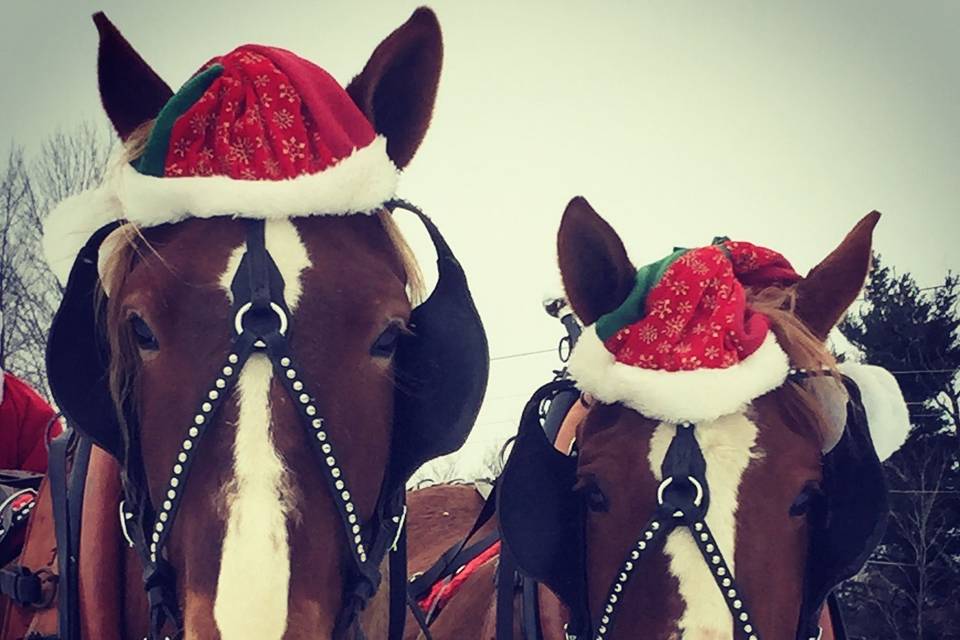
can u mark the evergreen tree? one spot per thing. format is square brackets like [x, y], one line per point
[907, 590]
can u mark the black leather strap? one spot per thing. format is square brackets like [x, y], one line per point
[451, 560]
[21, 585]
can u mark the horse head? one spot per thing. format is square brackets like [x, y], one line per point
[724, 480]
[240, 331]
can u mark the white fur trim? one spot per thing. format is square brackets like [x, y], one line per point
[728, 447]
[887, 414]
[677, 396]
[71, 223]
[359, 183]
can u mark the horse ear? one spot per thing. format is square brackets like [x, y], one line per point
[597, 274]
[398, 86]
[832, 286]
[130, 90]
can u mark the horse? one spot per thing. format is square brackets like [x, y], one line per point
[702, 511]
[239, 336]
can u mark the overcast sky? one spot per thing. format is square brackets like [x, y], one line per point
[781, 123]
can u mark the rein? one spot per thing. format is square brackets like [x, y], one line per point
[261, 325]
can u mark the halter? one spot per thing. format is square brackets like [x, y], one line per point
[683, 500]
[260, 325]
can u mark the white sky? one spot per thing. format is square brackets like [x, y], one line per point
[780, 123]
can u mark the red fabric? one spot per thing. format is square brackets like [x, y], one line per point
[270, 115]
[24, 417]
[442, 592]
[696, 315]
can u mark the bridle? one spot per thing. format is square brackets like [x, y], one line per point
[683, 500]
[261, 325]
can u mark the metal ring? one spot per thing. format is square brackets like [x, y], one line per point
[242, 311]
[698, 499]
[123, 523]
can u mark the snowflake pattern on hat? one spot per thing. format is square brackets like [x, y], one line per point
[696, 315]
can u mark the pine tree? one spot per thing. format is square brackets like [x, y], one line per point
[908, 588]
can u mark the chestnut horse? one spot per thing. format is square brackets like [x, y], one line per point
[765, 468]
[262, 547]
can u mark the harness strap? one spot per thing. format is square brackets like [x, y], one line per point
[21, 585]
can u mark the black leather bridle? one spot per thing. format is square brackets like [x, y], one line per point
[683, 500]
[261, 325]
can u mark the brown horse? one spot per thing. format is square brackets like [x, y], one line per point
[261, 547]
[764, 466]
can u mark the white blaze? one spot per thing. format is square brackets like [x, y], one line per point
[727, 445]
[253, 585]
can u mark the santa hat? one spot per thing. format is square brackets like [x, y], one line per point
[684, 345]
[256, 133]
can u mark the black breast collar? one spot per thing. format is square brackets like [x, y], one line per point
[261, 324]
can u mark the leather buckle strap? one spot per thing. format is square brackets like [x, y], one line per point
[26, 588]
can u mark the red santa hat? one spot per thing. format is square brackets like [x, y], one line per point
[684, 345]
[256, 133]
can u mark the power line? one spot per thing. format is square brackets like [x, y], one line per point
[523, 355]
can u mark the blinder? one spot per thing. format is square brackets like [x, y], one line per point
[78, 357]
[542, 518]
[441, 369]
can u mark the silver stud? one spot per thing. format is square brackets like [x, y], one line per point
[704, 537]
[648, 534]
[356, 528]
[623, 577]
[737, 604]
[635, 555]
[609, 609]
[752, 637]
[732, 593]
[194, 432]
[744, 616]
[320, 436]
[715, 559]
[642, 545]
[159, 526]
[228, 370]
[349, 507]
[174, 482]
[221, 383]
[357, 539]
[171, 494]
[725, 582]
[698, 526]
[304, 398]
[628, 566]
[163, 516]
[710, 548]
[177, 469]
[326, 448]
[748, 628]
[352, 518]
[605, 619]
[284, 361]
[721, 571]
[339, 485]
[654, 525]
[613, 598]
[311, 410]
[297, 385]
[206, 407]
[335, 472]
[156, 537]
[187, 444]
[291, 374]
[182, 457]
[167, 505]
[233, 358]
[317, 423]
[602, 629]
[199, 419]
[331, 461]
[345, 495]
[214, 394]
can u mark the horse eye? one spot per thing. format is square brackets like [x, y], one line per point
[593, 496]
[143, 334]
[809, 501]
[386, 342]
